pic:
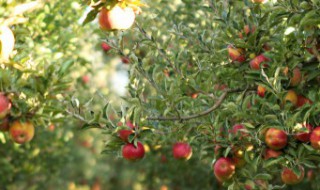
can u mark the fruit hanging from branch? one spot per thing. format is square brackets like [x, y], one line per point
[21, 131]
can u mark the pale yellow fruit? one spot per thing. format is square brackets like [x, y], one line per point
[6, 42]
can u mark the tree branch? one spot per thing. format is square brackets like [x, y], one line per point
[206, 112]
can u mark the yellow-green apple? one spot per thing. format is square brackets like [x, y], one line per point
[255, 62]
[4, 124]
[276, 139]
[21, 131]
[290, 178]
[303, 132]
[261, 91]
[269, 153]
[105, 47]
[292, 97]
[182, 151]
[236, 54]
[303, 100]
[224, 169]
[124, 134]
[132, 153]
[296, 77]
[5, 106]
[117, 18]
[315, 138]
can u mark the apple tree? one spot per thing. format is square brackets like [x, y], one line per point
[231, 85]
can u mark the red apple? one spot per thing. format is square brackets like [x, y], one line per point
[292, 97]
[85, 79]
[194, 95]
[125, 60]
[105, 46]
[124, 134]
[4, 124]
[164, 158]
[290, 178]
[249, 185]
[304, 135]
[21, 132]
[130, 125]
[269, 153]
[310, 175]
[182, 151]
[255, 62]
[239, 130]
[5, 106]
[132, 153]
[117, 18]
[236, 54]
[315, 138]
[276, 139]
[224, 169]
[261, 91]
[51, 127]
[303, 100]
[296, 77]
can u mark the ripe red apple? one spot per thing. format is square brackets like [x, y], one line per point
[4, 124]
[21, 132]
[239, 130]
[236, 54]
[132, 153]
[117, 18]
[269, 153]
[105, 47]
[292, 97]
[194, 95]
[249, 185]
[290, 178]
[247, 30]
[224, 169]
[296, 77]
[130, 125]
[51, 127]
[124, 134]
[255, 62]
[182, 151]
[85, 79]
[303, 100]
[276, 139]
[304, 134]
[5, 106]
[125, 60]
[261, 91]
[315, 138]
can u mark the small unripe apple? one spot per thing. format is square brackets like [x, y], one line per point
[5, 106]
[236, 54]
[132, 153]
[105, 47]
[4, 124]
[269, 153]
[117, 18]
[182, 151]
[303, 100]
[255, 62]
[304, 135]
[292, 97]
[21, 132]
[276, 139]
[315, 138]
[224, 169]
[296, 77]
[290, 178]
[261, 91]
[124, 134]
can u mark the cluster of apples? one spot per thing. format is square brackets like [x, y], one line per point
[276, 140]
[133, 152]
[20, 131]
